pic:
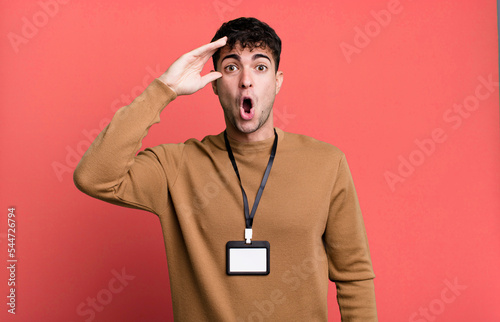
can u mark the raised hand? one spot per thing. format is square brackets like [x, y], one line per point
[184, 77]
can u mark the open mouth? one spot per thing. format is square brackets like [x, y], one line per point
[246, 108]
[247, 105]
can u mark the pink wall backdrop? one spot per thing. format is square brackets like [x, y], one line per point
[407, 89]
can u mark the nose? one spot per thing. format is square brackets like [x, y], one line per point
[246, 79]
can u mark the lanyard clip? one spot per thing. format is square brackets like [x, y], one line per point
[248, 235]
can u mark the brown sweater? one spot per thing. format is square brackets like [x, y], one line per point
[309, 213]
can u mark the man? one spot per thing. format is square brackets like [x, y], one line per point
[307, 220]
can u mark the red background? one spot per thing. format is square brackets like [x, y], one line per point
[438, 225]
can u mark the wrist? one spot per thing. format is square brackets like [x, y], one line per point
[165, 81]
[171, 94]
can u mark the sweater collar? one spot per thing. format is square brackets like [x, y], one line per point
[241, 147]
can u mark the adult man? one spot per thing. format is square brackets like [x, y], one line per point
[308, 214]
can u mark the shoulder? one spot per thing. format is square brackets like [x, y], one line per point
[192, 145]
[313, 147]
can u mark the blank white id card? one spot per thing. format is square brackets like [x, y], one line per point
[247, 259]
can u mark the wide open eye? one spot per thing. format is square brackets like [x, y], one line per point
[231, 68]
[261, 68]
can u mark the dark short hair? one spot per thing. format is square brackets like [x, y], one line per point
[249, 33]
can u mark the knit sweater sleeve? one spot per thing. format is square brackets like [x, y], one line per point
[111, 171]
[346, 243]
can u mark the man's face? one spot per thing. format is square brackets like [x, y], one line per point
[247, 87]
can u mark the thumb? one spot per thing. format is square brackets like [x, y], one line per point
[210, 77]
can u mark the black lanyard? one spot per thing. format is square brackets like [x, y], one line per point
[249, 217]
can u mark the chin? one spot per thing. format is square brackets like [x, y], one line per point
[247, 128]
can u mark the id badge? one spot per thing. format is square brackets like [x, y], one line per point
[247, 259]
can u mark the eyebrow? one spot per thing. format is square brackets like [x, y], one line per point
[238, 58]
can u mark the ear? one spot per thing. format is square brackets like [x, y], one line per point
[214, 86]
[279, 80]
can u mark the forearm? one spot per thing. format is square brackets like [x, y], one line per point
[356, 300]
[111, 155]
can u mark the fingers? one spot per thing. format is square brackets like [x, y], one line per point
[210, 77]
[210, 48]
[220, 42]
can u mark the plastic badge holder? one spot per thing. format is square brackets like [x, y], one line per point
[247, 259]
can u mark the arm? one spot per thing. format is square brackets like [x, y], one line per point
[110, 170]
[346, 243]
